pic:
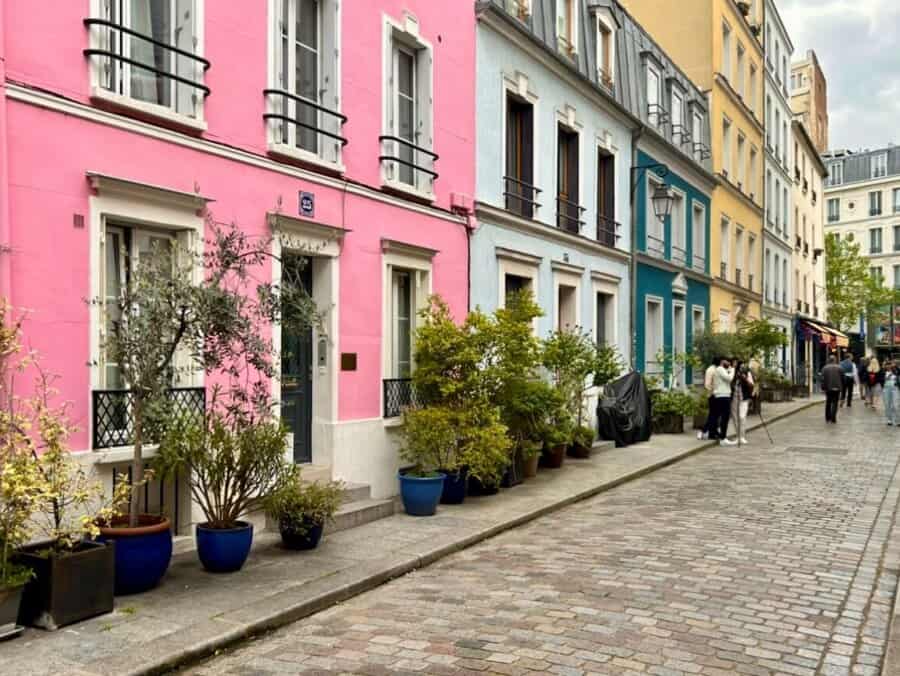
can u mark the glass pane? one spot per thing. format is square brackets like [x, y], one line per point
[308, 24]
[403, 323]
[307, 76]
[405, 76]
[153, 19]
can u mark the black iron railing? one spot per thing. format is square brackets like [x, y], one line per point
[305, 106]
[701, 151]
[750, 282]
[682, 132]
[113, 413]
[723, 270]
[679, 255]
[399, 394]
[698, 263]
[806, 248]
[521, 197]
[396, 143]
[737, 276]
[657, 115]
[656, 246]
[121, 58]
[568, 215]
[607, 231]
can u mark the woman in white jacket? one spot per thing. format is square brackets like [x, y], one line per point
[722, 379]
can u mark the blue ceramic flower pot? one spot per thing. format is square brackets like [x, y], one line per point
[142, 554]
[224, 550]
[421, 494]
[455, 485]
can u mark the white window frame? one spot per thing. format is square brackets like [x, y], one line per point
[836, 173]
[98, 39]
[653, 117]
[876, 234]
[608, 286]
[679, 305]
[563, 278]
[739, 64]
[405, 35]
[330, 151]
[727, 158]
[698, 234]
[570, 44]
[741, 160]
[650, 358]
[878, 165]
[678, 235]
[677, 107]
[836, 201]
[520, 86]
[603, 23]
[726, 51]
[725, 244]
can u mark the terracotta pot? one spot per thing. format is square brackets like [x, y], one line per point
[531, 466]
[579, 451]
[553, 458]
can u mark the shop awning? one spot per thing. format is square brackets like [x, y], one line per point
[826, 334]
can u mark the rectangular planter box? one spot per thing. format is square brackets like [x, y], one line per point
[668, 424]
[68, 588]
[9, 609]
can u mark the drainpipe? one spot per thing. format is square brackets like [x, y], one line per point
[5, 238]
[635, 137]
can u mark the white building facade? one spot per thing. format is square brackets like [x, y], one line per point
[779, 236]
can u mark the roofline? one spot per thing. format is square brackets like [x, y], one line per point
[784, 30]
[797, 124]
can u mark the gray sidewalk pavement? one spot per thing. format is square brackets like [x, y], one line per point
[194, 613]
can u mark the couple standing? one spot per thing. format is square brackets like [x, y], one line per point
[728, 387]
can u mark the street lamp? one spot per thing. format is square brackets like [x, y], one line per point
[662, 196]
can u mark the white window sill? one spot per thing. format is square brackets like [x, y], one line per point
[116, 455]
[407, 189]
[394, 422]
[160, 113]
[283, 150]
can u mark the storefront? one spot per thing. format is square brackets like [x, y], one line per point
[814, 342]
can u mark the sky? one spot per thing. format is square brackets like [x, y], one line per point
[858, 45]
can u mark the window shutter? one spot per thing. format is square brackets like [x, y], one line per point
[572, 156]
[527, 121]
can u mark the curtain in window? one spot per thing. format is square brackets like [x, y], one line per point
[151, 18]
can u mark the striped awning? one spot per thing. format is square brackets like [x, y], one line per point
[827, 335]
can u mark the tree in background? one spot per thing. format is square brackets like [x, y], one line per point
[848, 284]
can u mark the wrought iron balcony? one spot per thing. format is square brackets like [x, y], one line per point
[520, 197]
[698, 263]
[113, 418]
[806, 248]
[798, 242]
[568, 215]
[737, 276]
[679, 255]
[607, 231]
[723, 270]
[518, 8]
[410, 162]
[657, 115]
[114, 52]
[655, 246]
[308, 115]
[750, 282]
[701, 151]
[873, 211]
[399, 394]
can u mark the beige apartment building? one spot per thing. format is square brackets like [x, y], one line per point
[809, 98]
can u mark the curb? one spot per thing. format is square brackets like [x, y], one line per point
[367, 581]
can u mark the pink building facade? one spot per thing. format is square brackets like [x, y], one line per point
[344, 128]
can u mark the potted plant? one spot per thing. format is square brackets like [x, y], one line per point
[230, 461]
[181, 312]
[582, 442]
[669, 408]
[303, 509]
[557, 436]
[701, 408]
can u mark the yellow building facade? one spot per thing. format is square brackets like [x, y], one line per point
[718, 46]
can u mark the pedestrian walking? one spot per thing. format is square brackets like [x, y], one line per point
[722, 379]
[891, 393]
[710, 427]
[863, 370]
[876, 383]
[832, 384]
[742, 387]
[849, 370]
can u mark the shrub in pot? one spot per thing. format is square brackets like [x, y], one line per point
[669, 408]
[582, 442]
[230, 461]
[526, 405]
[557, 436]
[302, 510]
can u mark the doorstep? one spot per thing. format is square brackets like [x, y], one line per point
[193, 613]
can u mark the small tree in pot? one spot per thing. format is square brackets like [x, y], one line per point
[302, 510]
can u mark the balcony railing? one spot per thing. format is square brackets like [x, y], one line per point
[656, 246]
[608, 231]
[520, 197]
[115, 53]
[874, 211]
[814, 197]
[799, 305]
[723, 270]
[806, 248]
[750, 282]
[798, 242]
[518, 8]
[797, 174]
[113, 413]
[679, 255]
[833, 218]
[414, 161]
[308, 115]
[698, 263]
[875, 249]
[784, 302]
[398, 395]
[737, 276]
[805, 185]
[657, 115]
[701, 151]
[568, 215]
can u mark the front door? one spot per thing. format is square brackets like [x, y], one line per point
[296, 366]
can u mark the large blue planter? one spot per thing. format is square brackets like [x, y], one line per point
[224, 550]
[421, 494]
[142, 554]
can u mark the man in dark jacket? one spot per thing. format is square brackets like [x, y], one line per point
[848, 368]
[832, 383]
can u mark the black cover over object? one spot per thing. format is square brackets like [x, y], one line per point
[623, 412]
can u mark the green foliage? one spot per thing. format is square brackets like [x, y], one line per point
[761, 338]
[570, 357]
[673, 402]
[298, 506]
[527, 413]
[608, 365]
[772, 379]
[675, 365]
[560, 427]
[711, 344]
[229, 461]
[583, 436]
[182, 311]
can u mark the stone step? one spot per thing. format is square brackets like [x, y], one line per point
[600, 446]
[356, 492]
[359, 512]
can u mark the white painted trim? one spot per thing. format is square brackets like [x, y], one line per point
[520, 256]
[55, 103]
[702, 311]
[564, 267]
[608, 286]
[649, 298]
[520, 85]
[520, 267]
[571, 280]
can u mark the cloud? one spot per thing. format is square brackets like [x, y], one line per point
[857, 45]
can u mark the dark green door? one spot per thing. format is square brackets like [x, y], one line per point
[296, 366]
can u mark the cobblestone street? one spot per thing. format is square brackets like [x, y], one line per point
[756, 560]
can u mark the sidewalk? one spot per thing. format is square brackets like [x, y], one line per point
[195, 613]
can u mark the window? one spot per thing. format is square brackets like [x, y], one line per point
[566, 307]
[784, 207]
[303, 101]
[875, 203]
[726, 146]
[603, 318]
[740, 71]
[677, 111]
[875, 274]
[777, 133]
[738, 255]
[751, 94]
[407, 144]
[878, 165]
[895, 200]
[515, 284]
[741, 143]
[835, 173]
[875, 241]
[769, 195]
[784, 144]
[697, 134]
[679, 328]
[698, 324]
[520, 194]
[567, 207]
[606, 197]
[402, 321]
[605, 47]
[698, 237]
[751, 176]
[565, 26]
[655, 235]
[769, 121]
[784, 282]
[172, 81]
[519, 9]
[751, 260]
[767, 274]
[677, 226]
[778, 205]
[654, 110]
[653, 340]
[834, 209]
[724, 321]
[725, 246]
[726, 51]
[897, 238]
[897, 276]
